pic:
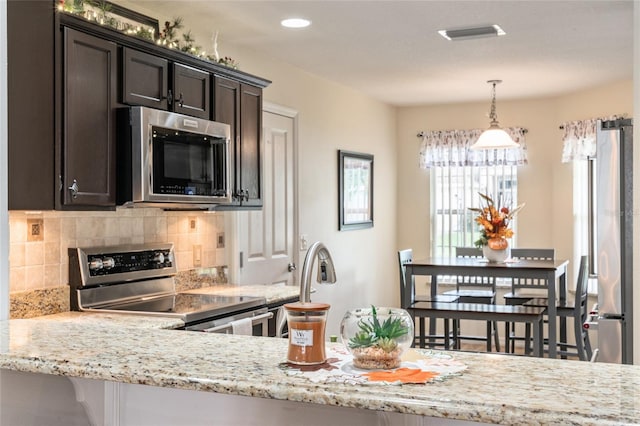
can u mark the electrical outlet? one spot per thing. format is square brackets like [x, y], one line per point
[197, 255]
[220, 238]
[193, 224]
[35, 229]
[303, 242]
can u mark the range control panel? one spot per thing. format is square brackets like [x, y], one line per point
[98, 266]
[118, 263]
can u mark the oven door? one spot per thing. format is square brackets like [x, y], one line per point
[259, 323]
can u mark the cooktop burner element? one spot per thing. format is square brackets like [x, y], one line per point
[138, 279]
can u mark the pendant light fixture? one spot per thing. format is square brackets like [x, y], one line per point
[494, 137]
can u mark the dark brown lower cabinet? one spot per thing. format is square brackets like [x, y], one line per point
[87, 163]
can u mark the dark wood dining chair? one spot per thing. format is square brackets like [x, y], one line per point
[578, 312]
[406, 256]
[524, 290]
[475, 290]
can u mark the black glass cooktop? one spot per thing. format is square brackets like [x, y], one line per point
[189, 307]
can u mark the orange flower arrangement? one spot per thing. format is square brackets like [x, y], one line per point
[495, 222]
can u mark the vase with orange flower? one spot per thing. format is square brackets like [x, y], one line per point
[495, 228]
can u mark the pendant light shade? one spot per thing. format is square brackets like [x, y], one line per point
[494, 137]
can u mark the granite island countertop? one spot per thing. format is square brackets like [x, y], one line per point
[494, 389]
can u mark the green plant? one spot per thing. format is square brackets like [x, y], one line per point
[374, 333]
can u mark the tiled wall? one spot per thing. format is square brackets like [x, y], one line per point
[41, 261]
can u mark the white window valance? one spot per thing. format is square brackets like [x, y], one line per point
[452, 148]
[579, 138]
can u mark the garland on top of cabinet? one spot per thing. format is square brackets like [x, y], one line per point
[101, 12]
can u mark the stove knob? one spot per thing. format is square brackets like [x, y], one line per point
[108, 262]
[158, 257]
[95, 264]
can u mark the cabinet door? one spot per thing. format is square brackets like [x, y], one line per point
[89, 120]
[250, 151]
[227, 110]
[191, 91]
[145, 80]
[30, 103]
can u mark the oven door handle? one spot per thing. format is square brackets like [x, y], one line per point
[255, 319]
[281, 320]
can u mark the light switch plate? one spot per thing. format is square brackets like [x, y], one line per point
[197, 255]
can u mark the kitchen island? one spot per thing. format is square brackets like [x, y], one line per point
[139, 369]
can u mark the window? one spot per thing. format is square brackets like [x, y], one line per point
[453, 191]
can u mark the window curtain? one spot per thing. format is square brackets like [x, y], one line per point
[442, 148]
[579, 138]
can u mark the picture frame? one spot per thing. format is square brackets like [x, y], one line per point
[355, 190]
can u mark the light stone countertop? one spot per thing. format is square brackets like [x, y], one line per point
[495, 388]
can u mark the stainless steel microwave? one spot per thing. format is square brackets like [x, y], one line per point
[171, 160]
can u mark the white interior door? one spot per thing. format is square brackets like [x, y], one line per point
[266, 238]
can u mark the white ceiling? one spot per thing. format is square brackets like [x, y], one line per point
[391, 51]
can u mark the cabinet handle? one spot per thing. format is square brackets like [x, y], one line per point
[170, 97]
[242, 194]
[74, 189]
[181, 101]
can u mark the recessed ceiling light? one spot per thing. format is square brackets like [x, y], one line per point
[295, 23]
[473, 32]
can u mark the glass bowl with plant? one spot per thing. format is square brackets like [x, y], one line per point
[377, 337]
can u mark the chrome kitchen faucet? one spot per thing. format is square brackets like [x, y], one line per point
[326, 270]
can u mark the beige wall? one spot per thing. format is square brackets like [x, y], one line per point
[545, 184]
[333, 117]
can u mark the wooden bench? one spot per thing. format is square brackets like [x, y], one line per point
[480, 311]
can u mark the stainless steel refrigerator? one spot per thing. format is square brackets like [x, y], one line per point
[613, 223]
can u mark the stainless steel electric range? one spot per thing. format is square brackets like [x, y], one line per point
[139, 279]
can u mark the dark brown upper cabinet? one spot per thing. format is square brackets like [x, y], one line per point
[31, 113]
[87, 163]
[192, 89]
[64, 91]
[146, 82]
[240, 106]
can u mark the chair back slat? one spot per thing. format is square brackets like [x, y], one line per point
[581, 310]
[531, 254]
[467, 281]
[404, 257]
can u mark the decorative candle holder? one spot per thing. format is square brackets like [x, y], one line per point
[307, 323]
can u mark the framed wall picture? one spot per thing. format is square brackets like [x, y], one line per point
[355, 190]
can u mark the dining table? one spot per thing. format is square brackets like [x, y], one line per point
[552, 272]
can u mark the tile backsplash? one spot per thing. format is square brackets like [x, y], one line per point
[39, 241]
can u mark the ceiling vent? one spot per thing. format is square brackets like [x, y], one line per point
[475, 32]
